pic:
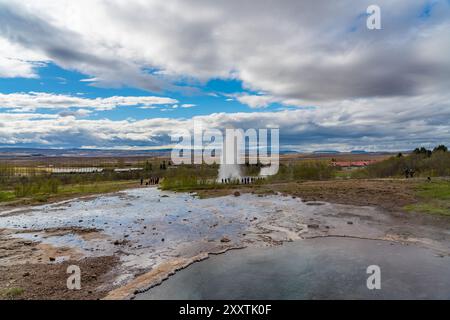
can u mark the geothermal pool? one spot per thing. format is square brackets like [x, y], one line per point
[326, 268]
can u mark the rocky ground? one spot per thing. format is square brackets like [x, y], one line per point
[130, 241]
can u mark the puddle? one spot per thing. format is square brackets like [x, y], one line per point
[326, 268]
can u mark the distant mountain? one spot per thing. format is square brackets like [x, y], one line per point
[31, 152]
[288, 152]
[326, 152]
[359, 152]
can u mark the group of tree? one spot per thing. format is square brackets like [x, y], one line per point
[422, 161]
[428, 153]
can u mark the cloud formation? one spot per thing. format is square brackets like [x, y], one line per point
[377, 125]
[382, 89]
[308, 50]
[26, 102]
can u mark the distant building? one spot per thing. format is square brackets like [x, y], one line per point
[128, 169]
[352, 164]
[75, 170]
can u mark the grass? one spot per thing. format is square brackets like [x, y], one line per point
[11, 293]
[434, 198]
[97, 187]
[66, 191]
[6, 196]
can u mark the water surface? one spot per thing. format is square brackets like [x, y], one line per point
[325, 268]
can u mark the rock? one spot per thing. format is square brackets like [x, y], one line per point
[225, 240]
[26, 274]
[52, 259]
[237, 194]
[349, 222]
[162, 240]
[313, 226]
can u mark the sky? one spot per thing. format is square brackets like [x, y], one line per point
[128, 74]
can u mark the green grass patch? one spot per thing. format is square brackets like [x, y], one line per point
[66, 191]
[11, 293]
[434, 198]
[93, 188]
[6, 196]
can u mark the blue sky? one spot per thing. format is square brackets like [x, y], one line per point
[211, 97]
[110, 74]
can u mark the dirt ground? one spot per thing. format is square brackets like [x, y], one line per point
[386, 194]
[30, 271]
[48, 281]
[391, 195]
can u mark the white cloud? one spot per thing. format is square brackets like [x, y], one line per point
[256, 101]
[312, 50]
[380, 124]
[17, 61]
[27, 102]
[80, 113]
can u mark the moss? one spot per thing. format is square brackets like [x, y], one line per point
[11, 293]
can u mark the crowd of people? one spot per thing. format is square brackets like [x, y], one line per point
[244, 180]
[150, 182]
[409, 173]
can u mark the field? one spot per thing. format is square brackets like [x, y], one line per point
[309, 176]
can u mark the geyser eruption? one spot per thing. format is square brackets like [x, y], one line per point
[229, 171]
[268, 171]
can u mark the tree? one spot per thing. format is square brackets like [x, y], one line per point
[423, 151]
[148, 166]
[440, 148]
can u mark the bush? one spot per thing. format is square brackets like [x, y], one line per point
[306, 170]
[438, 164]
[31, 187]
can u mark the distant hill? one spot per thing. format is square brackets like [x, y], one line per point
[326, 152]
[31, 152]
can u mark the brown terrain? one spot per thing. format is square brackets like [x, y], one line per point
[388, 194]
